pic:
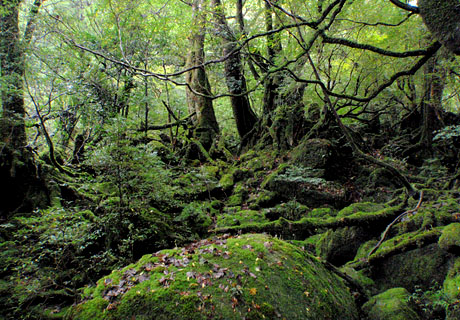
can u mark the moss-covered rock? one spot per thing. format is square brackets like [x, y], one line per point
[451, 284]
[247, 277]
[361, 207]
[305, 185]
[450, 238]
[418, 267]
[313, 153]
[392, 304]
[241, 217]
[226, 182]
[339, 246]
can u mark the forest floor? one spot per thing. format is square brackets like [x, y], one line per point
[242, 238]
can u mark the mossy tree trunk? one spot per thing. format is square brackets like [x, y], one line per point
[442, 18]
[431, 105]
[272, 82]
[199, 92]
[245, 117]
[17, 169]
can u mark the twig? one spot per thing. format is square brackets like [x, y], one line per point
[384, 234]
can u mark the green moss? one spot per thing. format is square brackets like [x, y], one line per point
[451, 284]
[390, 305]
[313, 153]
[364, 249]
[239, 218]
[226, 182]
[250, 277]
[321, 213]
[450, 238]
[210, 171]
[262, 200]
[360, 207]
[339, 246]
[305, 185]
[360, 277]
[197, 215]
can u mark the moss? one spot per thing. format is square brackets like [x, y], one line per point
[360, 277]
[451, 284]
[340, 246]
[240, 194]
[197, 215]
[414, 267]
[313, 153]
[226, 182]
[360, 207]
[390, 305]
[305, 186]
[364, 249]
[263, 199]
[310, 243]
[251, 277]
[210, 172]
[321, 213]
[450, 238]
[242, 217]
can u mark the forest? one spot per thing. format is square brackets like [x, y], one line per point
[230, 159]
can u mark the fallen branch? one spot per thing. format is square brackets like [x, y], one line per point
[384, 234]
[169, 125]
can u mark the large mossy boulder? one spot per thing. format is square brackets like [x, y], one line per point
[246, 277]
[392, 304]
[408, 267]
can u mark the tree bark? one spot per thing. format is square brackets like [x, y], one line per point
[245, 117]
[442, 18]
[17, 169]
[13, 132]
[198, 98]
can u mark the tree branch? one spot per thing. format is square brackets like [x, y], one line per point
[356, 45]
[405, 6]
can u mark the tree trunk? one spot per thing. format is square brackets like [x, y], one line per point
[13, 132]
[442, 18]
[17, 169]
[272, 82]
[198, 98]
[245, 117]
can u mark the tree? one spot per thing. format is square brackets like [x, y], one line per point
[17, 169]
[245, 117]
[199, 91]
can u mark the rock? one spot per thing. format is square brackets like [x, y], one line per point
[313, 153]
[450, 238]
[341, 245]
[451, 284]
[246, 277]
[418, 267]
[392, 304]
[305, 185]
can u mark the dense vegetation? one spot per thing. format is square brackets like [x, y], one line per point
[212, 159]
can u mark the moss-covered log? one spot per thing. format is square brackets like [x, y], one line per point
[305, 227]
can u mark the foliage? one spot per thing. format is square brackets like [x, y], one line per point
[433, 302]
